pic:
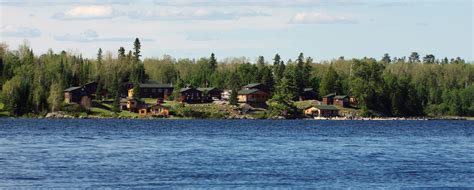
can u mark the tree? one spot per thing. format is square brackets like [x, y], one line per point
[212, 63]
[278, 68]
[414, 57]
[386, 58]
[55, 97]
[233, 100]
[330, 82]
[429, 59]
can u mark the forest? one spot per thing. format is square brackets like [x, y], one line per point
[416, 85]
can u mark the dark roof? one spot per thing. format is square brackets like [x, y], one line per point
[187, 89]
[208, 89]
[341, 97]
[158, 106]
[329, 95]
[73, 88]
[155, 85]
[246, 92]
[253, 85]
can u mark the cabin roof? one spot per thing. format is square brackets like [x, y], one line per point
[208, 89]
[188, 89]
[252, 85]
[246, 92]
[330, 96]
[155, 85]
[340, 97]
[72, 88]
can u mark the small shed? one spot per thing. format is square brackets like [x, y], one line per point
[159, 110]
[321, 111]
[341, 100]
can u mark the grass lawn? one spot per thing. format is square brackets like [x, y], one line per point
[3, 113]
[107, 113]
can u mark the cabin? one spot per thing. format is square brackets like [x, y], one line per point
[338, 100]
[82, 95]
[252, 96]
[90, 88]
[321, 111]
[131, 104]
[342, 101]
[73, 95]
[258, 86]
[190, 95]
[152, 90]
[159, 110]
[328, 99]
[210, 94]
[309, 94]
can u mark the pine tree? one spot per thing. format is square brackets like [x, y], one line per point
[212, 63]
[329, 83]
[233, 100]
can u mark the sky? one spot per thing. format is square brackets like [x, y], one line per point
[322, 29]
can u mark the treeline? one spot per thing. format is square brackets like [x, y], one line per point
[413, 86]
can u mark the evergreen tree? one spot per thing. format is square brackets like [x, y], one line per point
[233, 97]
[386, 58]
[330, 82]
[212, 63]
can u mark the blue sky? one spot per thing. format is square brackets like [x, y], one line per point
[322, 29]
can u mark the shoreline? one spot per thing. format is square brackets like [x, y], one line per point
[93, 117]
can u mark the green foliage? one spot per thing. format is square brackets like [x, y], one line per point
[330, 83]
[280, 106]
[403, 86]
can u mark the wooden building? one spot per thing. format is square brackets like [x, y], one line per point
[82, 95]
[328, 99]
[210, 94]
[73, 94]
[309, 94]
[338, 100]
[342, 101]
[152, 90]
[159, 110]
[190, 95]
[321, 111]
[258, 86]
[252, 96]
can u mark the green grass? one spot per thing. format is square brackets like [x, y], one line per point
[107, 113]
[2, 112]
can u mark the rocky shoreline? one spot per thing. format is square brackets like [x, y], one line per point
[64, 115]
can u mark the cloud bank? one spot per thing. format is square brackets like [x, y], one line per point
[22, 32]
[320, 18]
[89, 12]
[92, 36]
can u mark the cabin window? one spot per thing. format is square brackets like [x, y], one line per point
[153, 90]
[160, 90]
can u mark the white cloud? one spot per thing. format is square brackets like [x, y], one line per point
[266, 3]
[89, 12]
[196, 14]
[24, 32]
[60, 2]
[92, 36]
[320, 18]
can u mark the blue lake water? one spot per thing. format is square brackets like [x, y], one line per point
[235, 154]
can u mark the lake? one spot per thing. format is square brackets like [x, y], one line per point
[235, 154]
